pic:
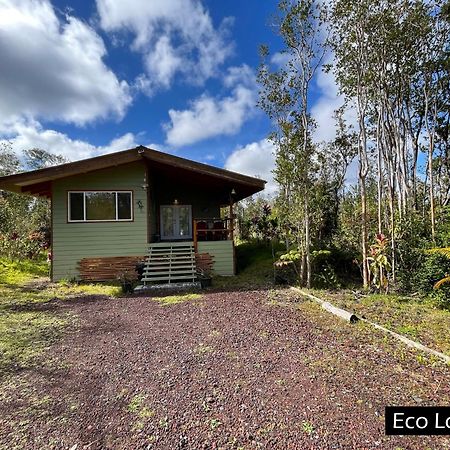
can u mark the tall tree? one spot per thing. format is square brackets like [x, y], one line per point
[351, 25]
[284, 96]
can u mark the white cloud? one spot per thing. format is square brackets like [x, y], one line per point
[53, 69]
[175, 36]
[26, 136]
[163, 62]
[209, 116]
[280, 59]
[240, 75]
[256, 159]
[325, 106]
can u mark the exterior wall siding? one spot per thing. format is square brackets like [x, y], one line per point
[223, 253]
[74, 241]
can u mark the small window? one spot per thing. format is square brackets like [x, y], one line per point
[95, 206]
[124, 205]
[76, 201]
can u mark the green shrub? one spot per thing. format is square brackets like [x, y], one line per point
[441, 297]
[287, 270]
[333, 268]
[409, 277]
[432, 268]
[429, 269]
[324, 270]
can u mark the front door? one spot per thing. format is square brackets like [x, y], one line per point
[176, 222]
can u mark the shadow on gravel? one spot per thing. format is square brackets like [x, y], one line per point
[49, 306]
[212, 290]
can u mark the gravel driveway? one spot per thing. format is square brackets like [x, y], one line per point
[248, 370]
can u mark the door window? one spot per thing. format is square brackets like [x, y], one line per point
[176, 222]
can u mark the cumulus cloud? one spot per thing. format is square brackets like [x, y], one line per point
[280, 59]
[32, 135]
[328, 101]
[209, 116]
[174, 36]
[257, 160]
[53, 69]
[163, 62]
[240, 75]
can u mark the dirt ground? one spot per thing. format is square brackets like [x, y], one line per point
[240, 370]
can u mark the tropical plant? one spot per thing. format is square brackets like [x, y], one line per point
[379, 264]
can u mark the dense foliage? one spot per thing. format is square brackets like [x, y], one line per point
[24, 220]
[379, 192]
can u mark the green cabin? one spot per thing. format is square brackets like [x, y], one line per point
[139, 205]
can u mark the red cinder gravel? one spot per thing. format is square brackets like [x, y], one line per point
[228, 371]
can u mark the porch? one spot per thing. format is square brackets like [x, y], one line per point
[210, 249]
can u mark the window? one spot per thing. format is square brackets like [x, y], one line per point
[94, 206]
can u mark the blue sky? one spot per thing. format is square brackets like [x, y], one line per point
[84, 78]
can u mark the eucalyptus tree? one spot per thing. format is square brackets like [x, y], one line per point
[351, 24]
[435, 89]
[388, 61]
[284, 96]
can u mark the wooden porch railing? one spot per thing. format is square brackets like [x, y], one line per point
[215, 229]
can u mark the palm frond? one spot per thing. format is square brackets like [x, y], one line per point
[445, 251]
[439, 283]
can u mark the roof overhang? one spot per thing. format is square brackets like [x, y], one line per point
[38, 182]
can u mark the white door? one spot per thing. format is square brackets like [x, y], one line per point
[176, 222]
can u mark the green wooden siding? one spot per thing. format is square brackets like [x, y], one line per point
[74, 241]
[223, 254]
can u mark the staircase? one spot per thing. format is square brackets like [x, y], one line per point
[170, 262]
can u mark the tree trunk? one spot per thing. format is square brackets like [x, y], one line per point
[366, 280]
[380, 174]
[307, 245]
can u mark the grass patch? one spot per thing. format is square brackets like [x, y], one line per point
[174, 299]
[19, 272]
[138, 407]
[413, 317]
[307, 427]
[203, 349]
[27, 327]
[254, 266]
[28, 324]
[65, 289]
[140, 410]
[25, 335]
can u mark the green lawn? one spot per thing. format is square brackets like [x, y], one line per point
[416, 318]
[254, 267]
[28, 324]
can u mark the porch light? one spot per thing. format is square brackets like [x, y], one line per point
[233, 192]
[140, 204]
[175, 202]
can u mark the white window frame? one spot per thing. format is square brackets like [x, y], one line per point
[84, 220]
